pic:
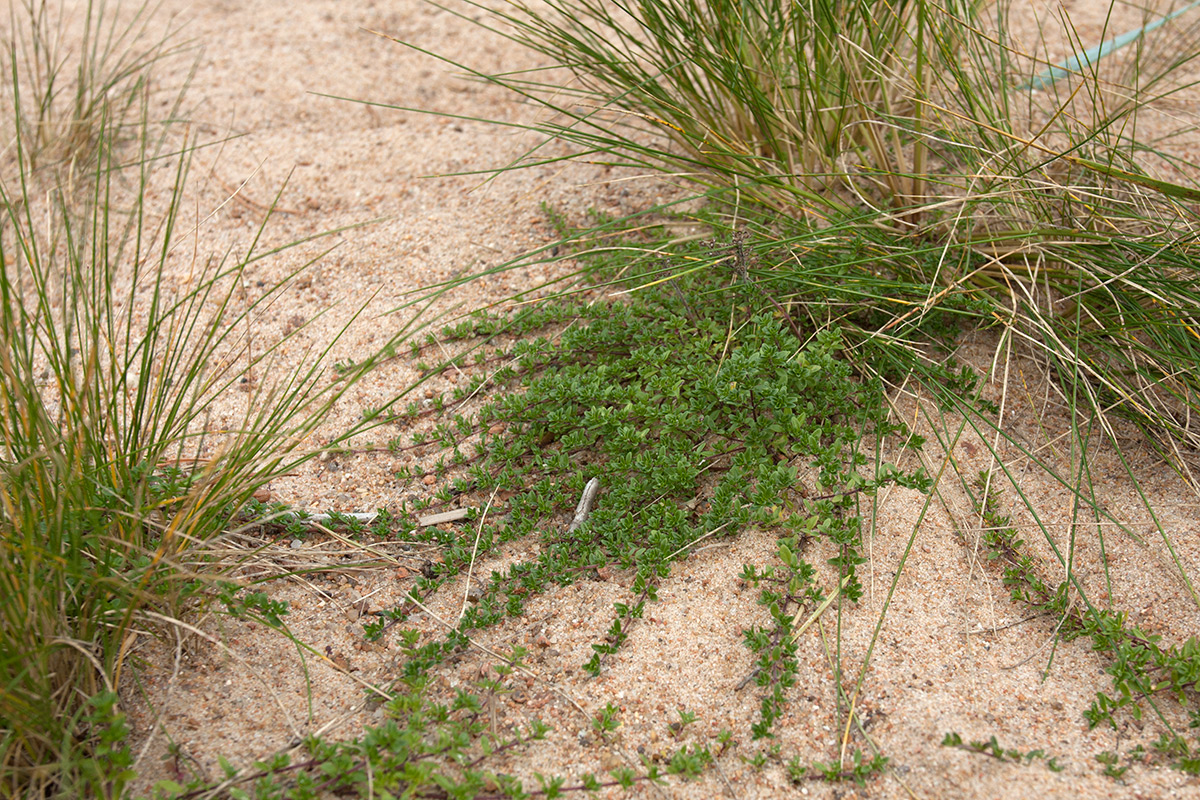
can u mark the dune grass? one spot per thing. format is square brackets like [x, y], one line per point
[82, 99]
[919, 118]
[1041, 210]
[116, 473]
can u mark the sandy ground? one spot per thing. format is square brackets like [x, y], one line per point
[953, 655]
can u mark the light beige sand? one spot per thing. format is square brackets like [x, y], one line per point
[953, 655]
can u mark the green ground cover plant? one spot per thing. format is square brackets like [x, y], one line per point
[768, 425]
[699, 419]
[993, 749]
[750, 404]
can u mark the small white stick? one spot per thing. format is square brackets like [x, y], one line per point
[585, 504]
[445, 516]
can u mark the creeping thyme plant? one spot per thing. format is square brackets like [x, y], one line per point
[700, 416]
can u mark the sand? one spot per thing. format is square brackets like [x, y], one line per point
[954, 653]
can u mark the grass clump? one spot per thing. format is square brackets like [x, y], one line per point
[76, 80]
[784, 101]
[1046, 207]
[117, 469]
[112, 472]
[920, 112]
